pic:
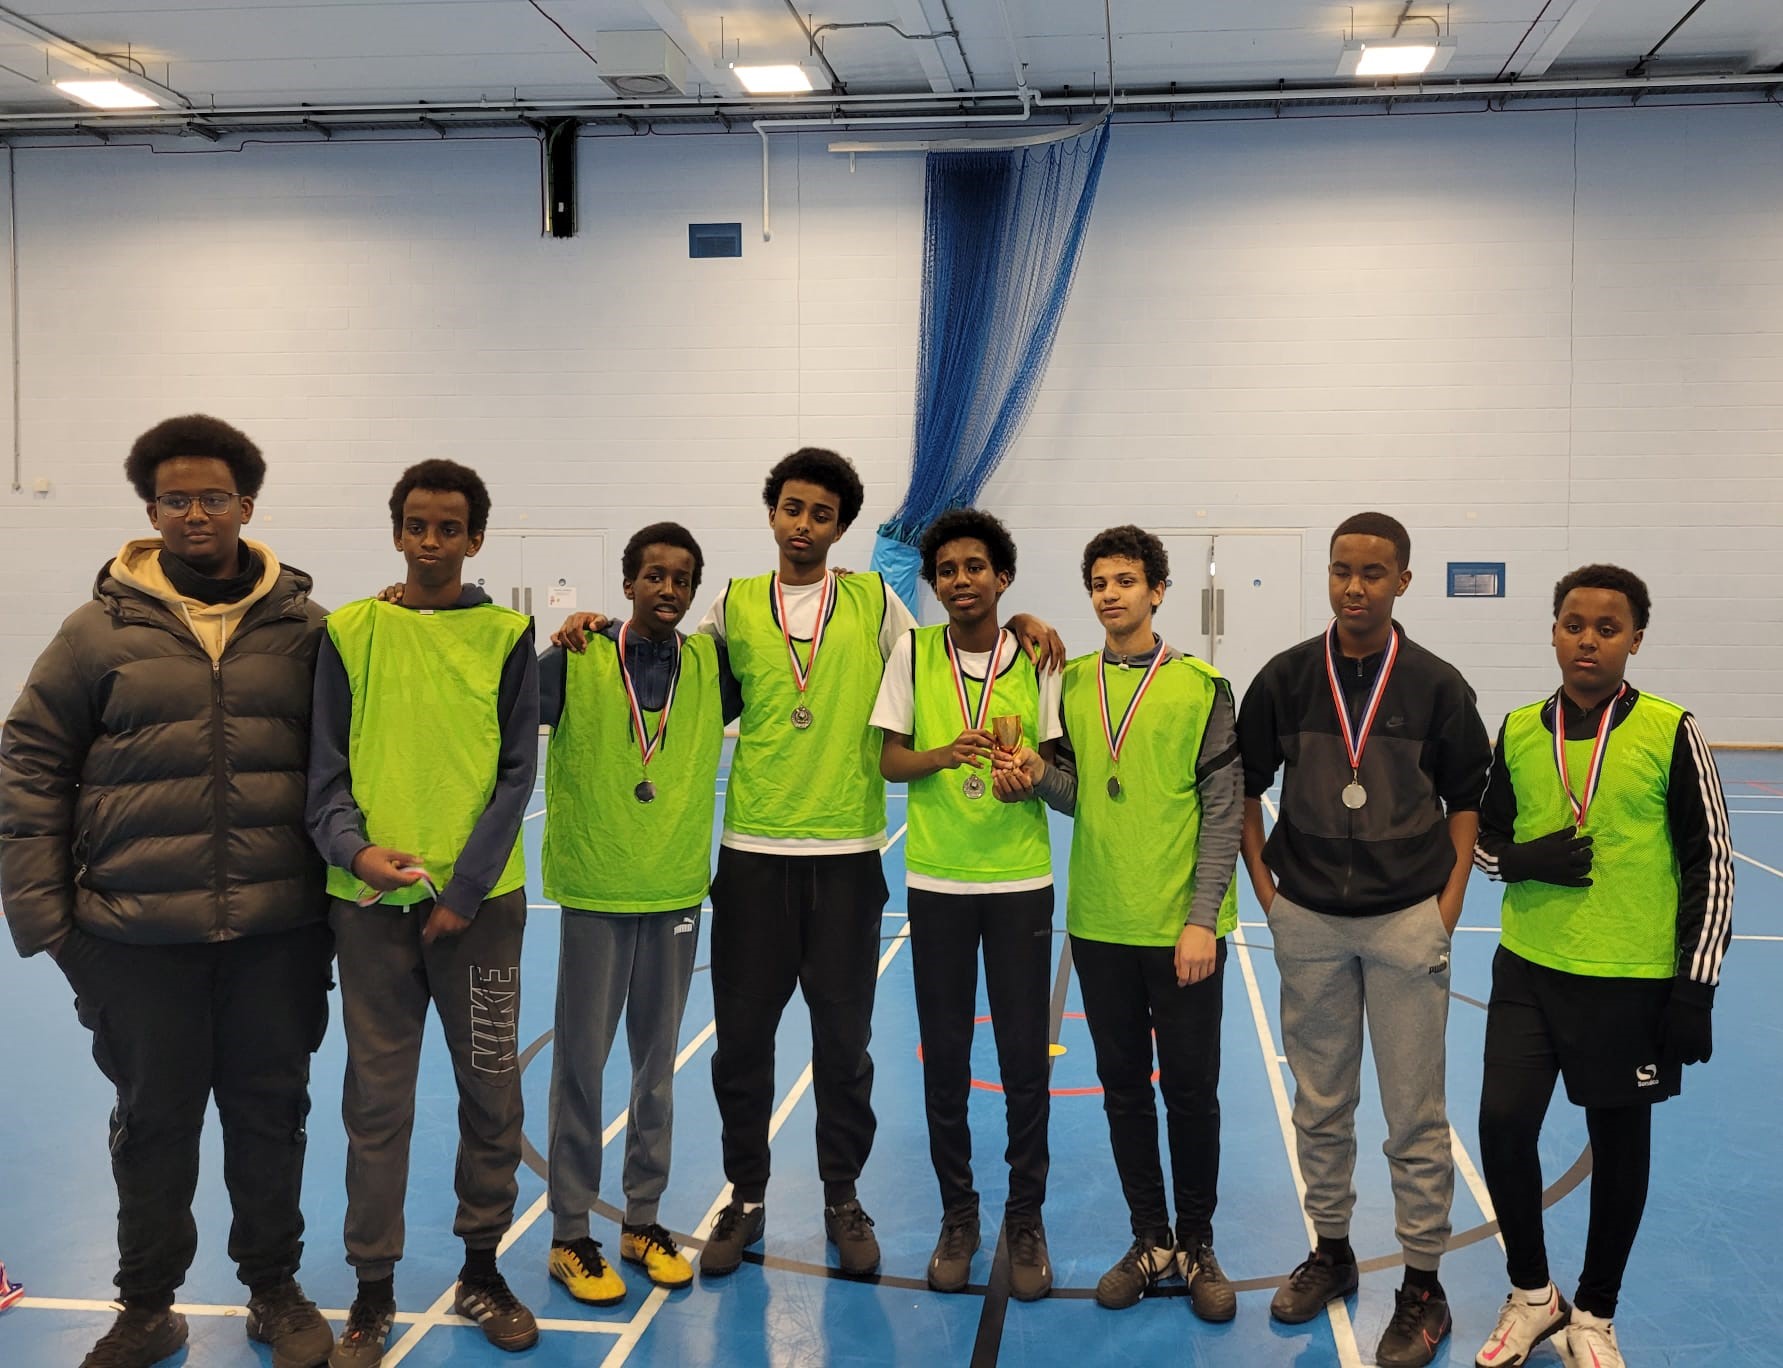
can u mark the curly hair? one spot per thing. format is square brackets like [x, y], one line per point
[631, 560]
[443, 477]
[194, 434]
[827, 470]
[1134, 543]
[957, 523]
[1624, 582]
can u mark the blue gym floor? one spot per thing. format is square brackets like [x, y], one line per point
[1702, 1289]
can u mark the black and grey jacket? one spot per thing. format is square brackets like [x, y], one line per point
[1425, 760]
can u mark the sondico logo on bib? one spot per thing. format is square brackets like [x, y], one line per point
[1646, 1075]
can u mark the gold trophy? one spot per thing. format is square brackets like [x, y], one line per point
[1008, 731]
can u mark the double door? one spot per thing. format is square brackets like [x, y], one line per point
[546, 575]
[1234, 599]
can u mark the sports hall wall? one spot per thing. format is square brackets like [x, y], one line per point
[1538, 337]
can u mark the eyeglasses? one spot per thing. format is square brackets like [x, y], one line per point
[213, 501]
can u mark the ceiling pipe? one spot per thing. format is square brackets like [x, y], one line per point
[1454, 90]
[174, 121]
[763, 127]
[434, 109]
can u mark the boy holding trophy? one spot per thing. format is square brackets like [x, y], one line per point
[980, 873]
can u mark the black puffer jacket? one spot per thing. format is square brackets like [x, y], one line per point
[151, 797]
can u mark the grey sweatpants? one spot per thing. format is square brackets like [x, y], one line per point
[1393, 969]
[639, 963]
[387, 979]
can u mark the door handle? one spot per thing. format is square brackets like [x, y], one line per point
[528, 609]
[1219, 612]
[514, 599]
[1206, 608]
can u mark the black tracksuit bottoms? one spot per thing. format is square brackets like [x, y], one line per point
[781, 922]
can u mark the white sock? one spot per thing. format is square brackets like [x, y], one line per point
[751, 1206]
[1586, 1318]
[1537, 1297]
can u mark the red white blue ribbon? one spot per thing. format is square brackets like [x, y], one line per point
[1117, 737]
[959, 680]
[801, 674]
[1581, 806]
[1355, 739]
[648, 745]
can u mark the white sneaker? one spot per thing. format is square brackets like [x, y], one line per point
[1590, 1344]
[1522, 1325]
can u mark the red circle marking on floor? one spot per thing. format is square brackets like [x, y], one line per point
[987, 1086]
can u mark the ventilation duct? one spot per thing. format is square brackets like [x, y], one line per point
[641, 65]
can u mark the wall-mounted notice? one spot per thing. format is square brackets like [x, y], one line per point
[1476, 579]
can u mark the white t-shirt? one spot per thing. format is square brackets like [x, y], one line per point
[800, 604]
[895, 711]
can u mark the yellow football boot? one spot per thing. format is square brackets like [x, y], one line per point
[579, 1266]
[652, 1249]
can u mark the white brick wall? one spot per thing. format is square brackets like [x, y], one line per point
[1537, 338]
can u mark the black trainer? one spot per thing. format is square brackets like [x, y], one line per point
[1309, 1287]
[491, 1303]
[1135, 1272]
[732, 1232]
[361, 1344]
[138, 1338]
[1030, 1267]
[850, 1229]
[950, 1266]
[288, 1321]
[1210, 1292]
[1420, 1323]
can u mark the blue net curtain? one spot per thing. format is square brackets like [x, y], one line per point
[1002, 234]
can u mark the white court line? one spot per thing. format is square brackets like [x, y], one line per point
[633, 1330]
[1348, 1356]
[1493, 931]
[1475, 1183]
[629, 1338]
[437, 1315]
[421, 1322]
[607, 1327]
[1759, 863]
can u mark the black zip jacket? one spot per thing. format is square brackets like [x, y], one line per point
[1426, 758]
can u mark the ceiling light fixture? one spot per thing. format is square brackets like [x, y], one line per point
[1395, 58]
[773, 80]
[107, 94]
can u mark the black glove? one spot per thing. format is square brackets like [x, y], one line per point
[1685, 1033]
[1561, 857]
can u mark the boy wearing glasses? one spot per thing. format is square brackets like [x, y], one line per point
[152, 844]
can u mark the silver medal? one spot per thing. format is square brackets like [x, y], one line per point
[974, 786]
[1354, 795]
[645, 792]
[1114, 786]
[801, 717]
